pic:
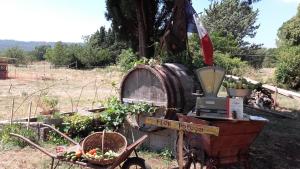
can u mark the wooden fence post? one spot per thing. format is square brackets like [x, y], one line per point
[180, 152]
[29, 114]
[12, 111]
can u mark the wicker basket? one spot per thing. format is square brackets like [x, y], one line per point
[112, 141]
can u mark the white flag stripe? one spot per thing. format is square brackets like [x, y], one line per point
[201, 30]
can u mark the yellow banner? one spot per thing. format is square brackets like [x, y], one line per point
[184, 126]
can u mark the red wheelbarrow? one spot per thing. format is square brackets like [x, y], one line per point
[230, 147]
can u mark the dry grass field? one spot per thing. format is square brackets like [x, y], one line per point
[73, 88]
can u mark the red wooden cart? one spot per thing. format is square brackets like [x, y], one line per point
[3, 69]
[124, 157]
[230, 147]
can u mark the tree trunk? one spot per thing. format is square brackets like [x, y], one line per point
[179, 24]
[175, 38]
[150, 13]
[141, 28]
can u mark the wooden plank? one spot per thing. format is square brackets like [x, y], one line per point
[184, 126]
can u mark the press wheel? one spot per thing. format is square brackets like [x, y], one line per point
[192, 156]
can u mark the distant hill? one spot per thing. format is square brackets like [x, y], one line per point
[25, 45]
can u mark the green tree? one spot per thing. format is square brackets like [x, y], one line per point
[58, 55]
[73, 52]
[232, 65]
[17, 54]
[94, 39]
[287, 69]
[39, 52]
[231, 23]
[101, 48]
[289, 33]
[103, 35]
[110, 37]
[139, 22]
[116, 48]
[224, 44]
[94, 57]
[127, 59]
[288, 54]
[98, 39]
[231, 18]
[143, 22]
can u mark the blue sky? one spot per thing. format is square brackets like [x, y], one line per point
[69, 20]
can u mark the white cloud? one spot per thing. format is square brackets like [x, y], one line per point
[291, 1]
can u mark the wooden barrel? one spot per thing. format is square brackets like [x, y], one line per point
[169, 86]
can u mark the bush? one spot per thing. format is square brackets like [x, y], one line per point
[49, 101]
[116, 49]
[198, 62]
[127, 59]
[115, 113]
[233, 66]
[5, 137]
[56, 139]
[78, 125]
[287, 69]
[103, 57]
[166, 154]
[90, 56]
[59, 55]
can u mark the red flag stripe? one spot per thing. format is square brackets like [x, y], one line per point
[207, 46]
[207, 50]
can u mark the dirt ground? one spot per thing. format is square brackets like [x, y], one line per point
[277, 147]
[29, 158]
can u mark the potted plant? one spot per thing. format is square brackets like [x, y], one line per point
[50, 113]
[48, 105]
[238, 87]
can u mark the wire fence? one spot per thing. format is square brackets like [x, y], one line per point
[74, 89]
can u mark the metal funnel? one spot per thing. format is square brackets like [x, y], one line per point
[211, 79]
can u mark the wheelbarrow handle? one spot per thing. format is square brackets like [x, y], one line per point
[34, 145]
[60, 133]
[39, 124]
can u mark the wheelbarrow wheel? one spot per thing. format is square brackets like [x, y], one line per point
[135, 163]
